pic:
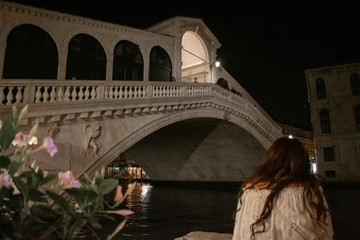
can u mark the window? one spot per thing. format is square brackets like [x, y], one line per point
[330, 173]
[86, 59]
[357, 117]
[160, 65]
[325, 121]
[320, 88]
[30, 53]
[128, 62]
[355, 84]
[328, 154]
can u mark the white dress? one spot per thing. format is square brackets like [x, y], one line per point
[290, 203]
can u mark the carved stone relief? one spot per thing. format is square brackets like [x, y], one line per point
[91, 131]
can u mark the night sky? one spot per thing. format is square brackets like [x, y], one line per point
[266, 45]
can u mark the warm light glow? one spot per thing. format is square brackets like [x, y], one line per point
[145, 191]
[33, 140]
[217, 64]
[290, 136]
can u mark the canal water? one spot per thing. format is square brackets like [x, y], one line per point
[165, 212]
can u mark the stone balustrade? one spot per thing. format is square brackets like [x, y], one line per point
[47, 91]
[53, 100]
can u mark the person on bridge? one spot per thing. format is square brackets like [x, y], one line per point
[282, 199]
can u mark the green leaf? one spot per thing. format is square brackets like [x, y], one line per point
[37, 196]
[48, 178]
[14, 166]
[7, 133]
[23, 113]
[87, 178]
[4, 192]
[79, 221]
[82, 196]
[14, 111]
[22, 186]
[60, 201]
[4, 162]
[44, 212]
[107, 185]
[98, 177]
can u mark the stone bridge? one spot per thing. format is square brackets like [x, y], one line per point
[176, 131]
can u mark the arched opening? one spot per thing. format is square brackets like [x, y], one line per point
[86, 59]
[160, 65]
[30, 53]
[194, 58]
[128, 62]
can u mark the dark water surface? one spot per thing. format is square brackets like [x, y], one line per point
[164, 212]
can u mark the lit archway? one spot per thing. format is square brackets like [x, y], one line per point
[194, 57]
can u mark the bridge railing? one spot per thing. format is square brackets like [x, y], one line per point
[41, 92]
[47, 91]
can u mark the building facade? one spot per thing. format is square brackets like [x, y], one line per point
[306, 138]
[334, 97]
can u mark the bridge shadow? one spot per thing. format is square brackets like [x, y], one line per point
[199, 149]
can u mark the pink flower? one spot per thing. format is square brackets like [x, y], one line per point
[122, 212]
[49, 145]
[5, 179]
[67, 180]
[20, 139]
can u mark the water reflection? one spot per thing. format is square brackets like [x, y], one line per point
[165, 213]
[139, 202]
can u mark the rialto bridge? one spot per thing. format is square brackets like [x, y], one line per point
[176, 131]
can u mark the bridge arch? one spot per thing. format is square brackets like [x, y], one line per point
[194, 58]
[128, 61]
[30, 53]
[245, 149]
[160, 67]
[86, 58]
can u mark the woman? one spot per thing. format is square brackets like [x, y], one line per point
[281, 199]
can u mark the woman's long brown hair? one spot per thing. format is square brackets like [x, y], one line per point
[287, 162]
